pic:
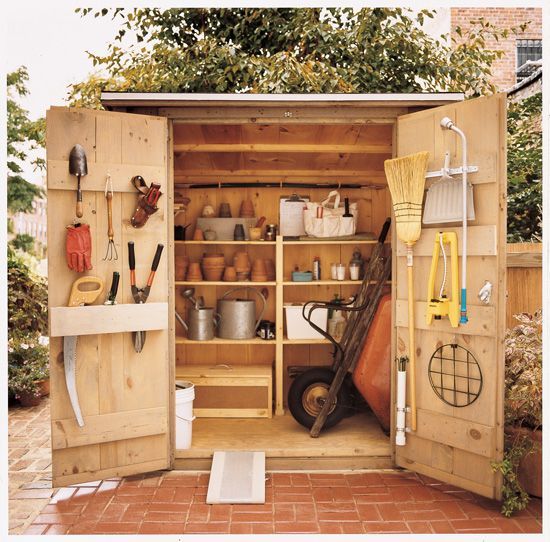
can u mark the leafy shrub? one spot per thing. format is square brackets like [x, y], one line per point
[28, 361]
[525, 170]
[514, 497]
[522, 404]
[27, 299]
[523, 373]
[24, 242]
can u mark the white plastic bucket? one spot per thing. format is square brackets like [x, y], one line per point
[184, 414]
[297, 327]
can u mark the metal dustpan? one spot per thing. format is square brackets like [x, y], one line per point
[444, 199]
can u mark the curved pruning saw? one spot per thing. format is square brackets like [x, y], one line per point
[81, 294]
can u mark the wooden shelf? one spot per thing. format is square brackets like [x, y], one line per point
[99, 319]
[306, 341]
[222, 283]
[217, 340]
[282, 147]
[225, 242]
[327, 282]
[322, 283]
[332, 242]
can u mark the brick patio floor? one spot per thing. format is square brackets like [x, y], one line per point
[175, 502]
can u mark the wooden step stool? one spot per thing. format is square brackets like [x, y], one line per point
[212, 404]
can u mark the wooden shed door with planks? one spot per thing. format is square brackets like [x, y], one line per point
[457, 444]
[125, 396]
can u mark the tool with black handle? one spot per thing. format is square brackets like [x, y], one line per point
[140, 295]
[346, 208]
[111, 297]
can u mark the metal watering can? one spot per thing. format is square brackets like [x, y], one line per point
[238, 316]
[202, 321]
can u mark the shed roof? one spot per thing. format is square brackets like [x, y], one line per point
[166, 99]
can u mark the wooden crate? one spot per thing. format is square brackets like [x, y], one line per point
[229, 379]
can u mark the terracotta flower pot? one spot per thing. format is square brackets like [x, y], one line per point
[247, 209]
[44, 387]
[530, 466]
[259, 267]
[198, 235]
[230, 274]
[194, 273]
[182, 263]
[29, 399]
[270, 269]
[213, 260]
[241, 262]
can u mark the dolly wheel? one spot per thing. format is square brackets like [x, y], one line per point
[307, 395]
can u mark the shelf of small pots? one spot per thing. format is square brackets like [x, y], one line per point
[28, 369]
[521, 466]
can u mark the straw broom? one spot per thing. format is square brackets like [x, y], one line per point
[406, 178]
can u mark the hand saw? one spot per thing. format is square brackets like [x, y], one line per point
[77, 298]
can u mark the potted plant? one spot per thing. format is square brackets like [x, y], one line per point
[28, 369]
[521, 466]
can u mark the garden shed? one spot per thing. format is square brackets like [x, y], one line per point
[205, 150]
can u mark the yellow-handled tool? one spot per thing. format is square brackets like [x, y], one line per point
[87, 295]
[442, 305]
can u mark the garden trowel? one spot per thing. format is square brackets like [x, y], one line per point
[78, 166]
[77, 298]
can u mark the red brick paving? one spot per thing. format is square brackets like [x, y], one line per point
[175, 503]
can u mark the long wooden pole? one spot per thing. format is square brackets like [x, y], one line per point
[412, 345]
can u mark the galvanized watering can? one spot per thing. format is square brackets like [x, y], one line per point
[238, 316]
[202, 321]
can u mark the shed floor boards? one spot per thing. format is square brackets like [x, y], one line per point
[356, 442]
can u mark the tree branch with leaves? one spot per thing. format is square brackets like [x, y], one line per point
[378, 50]
[23, 136]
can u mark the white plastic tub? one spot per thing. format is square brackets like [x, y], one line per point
[184, 414]
[297, 327]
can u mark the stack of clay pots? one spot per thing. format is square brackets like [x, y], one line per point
[182, 263]
[213, 266]
[241, 262]
[270, 269]
[230, 274]
[194, 272]
[247, 209]
[259, 271]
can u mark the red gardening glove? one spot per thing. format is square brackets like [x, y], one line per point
[79, 248]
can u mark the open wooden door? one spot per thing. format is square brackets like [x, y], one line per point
[125, 397]
[457, 444]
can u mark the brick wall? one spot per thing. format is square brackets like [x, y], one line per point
[504, 69]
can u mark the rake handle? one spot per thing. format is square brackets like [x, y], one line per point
[110, 230]
[412, 344]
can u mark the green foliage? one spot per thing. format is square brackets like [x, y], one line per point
[514, 497]
[523, 372]
[287, 50]
[23, 135]
[525, 170]
[24, 242]
[522, 404]
[27, 299]
[28, 363]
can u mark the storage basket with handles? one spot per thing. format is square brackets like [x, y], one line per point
[332, 222]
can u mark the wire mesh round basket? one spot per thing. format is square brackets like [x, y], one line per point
[455, 375]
